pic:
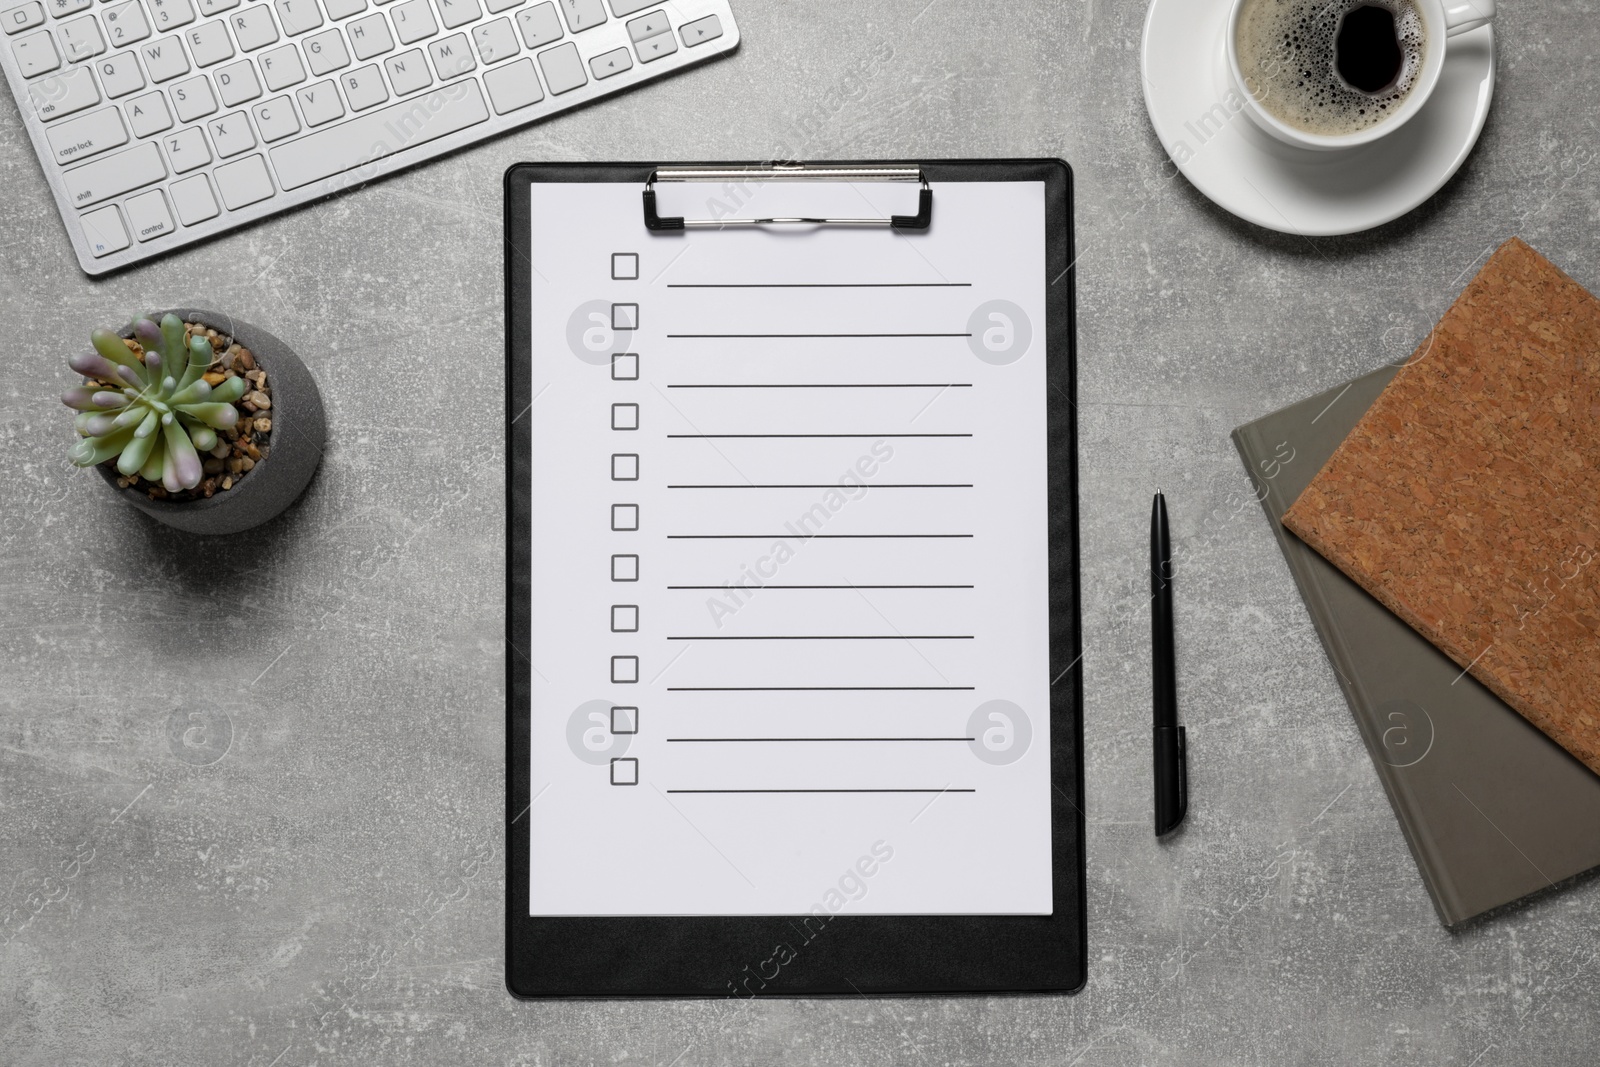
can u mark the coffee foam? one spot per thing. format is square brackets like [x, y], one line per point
[1286, 53]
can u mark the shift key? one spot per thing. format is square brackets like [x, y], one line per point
[111, 176]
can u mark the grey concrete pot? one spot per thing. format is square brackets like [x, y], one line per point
[299, 431]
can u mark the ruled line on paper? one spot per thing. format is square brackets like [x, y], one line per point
[822, 637]
[719, 436]
[822, 790]
[826, 485]
[819, 688]
[786, 740]
[804, 537]
[772, 336]
[822, 385]
[905, 586]
[819, 285]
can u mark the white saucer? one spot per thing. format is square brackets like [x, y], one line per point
[1295, 190]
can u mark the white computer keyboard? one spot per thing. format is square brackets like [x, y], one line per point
[162, 122]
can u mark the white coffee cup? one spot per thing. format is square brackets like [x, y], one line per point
[1441, 20]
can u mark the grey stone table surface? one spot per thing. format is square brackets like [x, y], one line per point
[330, 890]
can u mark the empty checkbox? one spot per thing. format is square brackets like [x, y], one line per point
[624, 266]
[624, 720]
[624, 517]
[625, 467]
[624, 416]
[625, 366]
[624, 618]
[624, 670]
[625, 568]
[624, 771]
[624, 316]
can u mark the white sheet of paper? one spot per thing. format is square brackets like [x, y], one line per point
[789, 529]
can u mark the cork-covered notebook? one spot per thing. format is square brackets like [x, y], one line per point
[1467, 500]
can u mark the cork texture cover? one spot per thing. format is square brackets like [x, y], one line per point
[1467, 500]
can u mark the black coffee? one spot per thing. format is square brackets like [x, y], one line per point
[1367, 51]
[1330, 67]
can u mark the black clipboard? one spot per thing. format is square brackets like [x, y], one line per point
[704, 956]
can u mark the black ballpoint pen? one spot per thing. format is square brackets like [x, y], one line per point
[1171, 768]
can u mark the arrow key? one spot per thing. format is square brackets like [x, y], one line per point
[609, 63]
[701, 30]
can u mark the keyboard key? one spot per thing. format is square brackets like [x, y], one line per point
[63, 8]
[148, 114]
[343, 9]
[22, 18]
[539, 25]
[125, 23]
[120, 74]
[452, 56]
[325, 52]
[298, 16]
[86, 135]
[408, 72]
[254, 28]
[187, 149]
[413, 20]
[81, 39]
[193, 200]
[370, 36]
[563, 70]
[276, 119]
[164, 59]
[455, 13]
[320, 103]
[513, 86]
[193, 99]
[104, 231]
[376, 134]
[701, 30]
[231, 134]
[495, 41]
[113, 175]
[628, 7]
[148, 215]
[657, 47]
[62, 94]
[209, 43]
[36, 54]
[243, 183]
[609, 63]
[217, 7]
[497, 6]
[363, 87]
[170, 14]
[282, 67]
[583, 14]
[647, 27]
[237, 82]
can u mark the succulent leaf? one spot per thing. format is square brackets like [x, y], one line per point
[151, 471]
[229, 391]
[135, 453]
[182, 469]
[113, 348]
[92, 450]
[92, 365]
[199, 359]
[172, 340]
[217, 416]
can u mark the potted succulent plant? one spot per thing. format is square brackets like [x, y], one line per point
[205, 423]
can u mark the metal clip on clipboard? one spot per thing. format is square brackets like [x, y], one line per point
[788, 173]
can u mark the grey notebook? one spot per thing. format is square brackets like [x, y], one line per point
[1492, 809]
